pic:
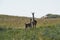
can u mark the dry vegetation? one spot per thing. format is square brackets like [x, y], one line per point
[19, 22]
[47, 29]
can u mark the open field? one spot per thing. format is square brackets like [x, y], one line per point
[12, 28]
[19, 22]
[41, 33]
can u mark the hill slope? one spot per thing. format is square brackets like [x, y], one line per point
[19, 22]
[12, 21]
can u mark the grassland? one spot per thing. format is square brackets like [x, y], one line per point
[12, 28]
[19, 22]
[41, 33]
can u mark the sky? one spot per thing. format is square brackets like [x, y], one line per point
[27, 7]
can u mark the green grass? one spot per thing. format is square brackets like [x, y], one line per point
[12, 28]
[41, 33]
